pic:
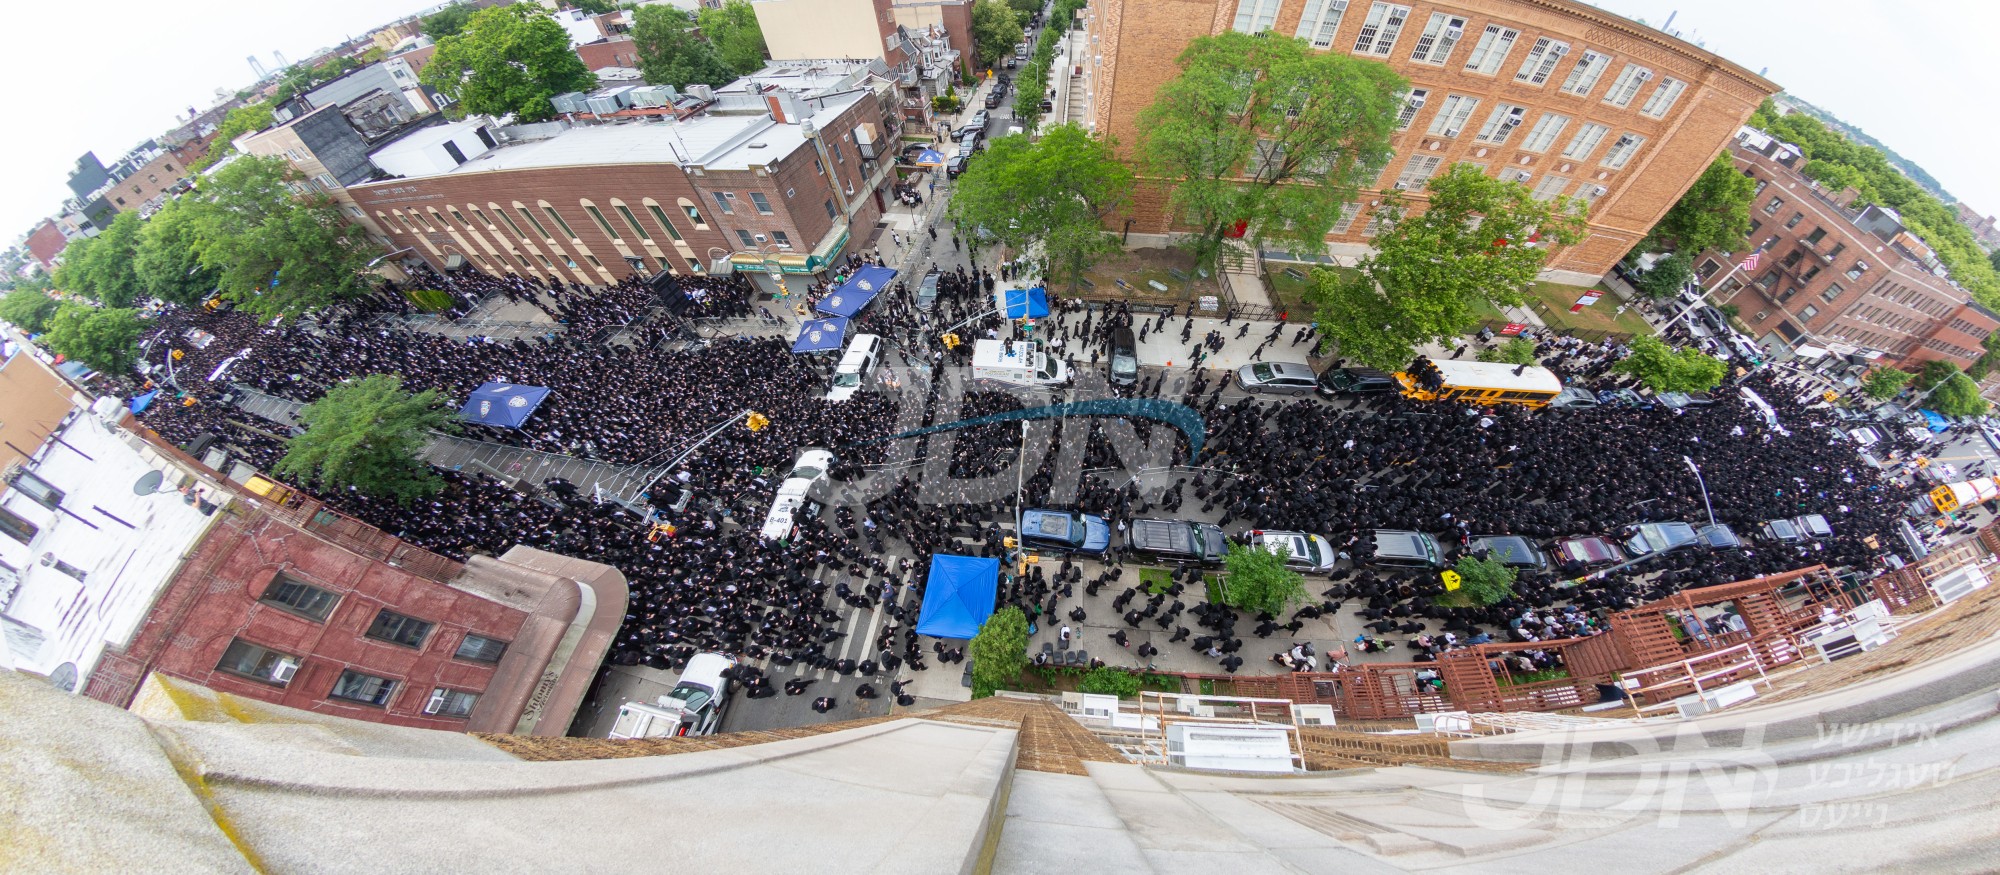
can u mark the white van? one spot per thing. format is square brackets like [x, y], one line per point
[794, 493]
[693, 707]
[856, 365]
[1019, 362]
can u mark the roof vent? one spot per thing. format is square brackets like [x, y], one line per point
[758, 146]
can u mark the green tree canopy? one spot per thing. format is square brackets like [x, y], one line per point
[274, 251]
[168, 262]
[1259, 581]
[999, 651]
[1713, 214]
[100, 267]
[1668, 276]
[1266, 131]
[595, 7]
[1664, 368]
[236, 123]
[671, 53]
[105, 339]
[1516, 351]
[1484, 581]
[508, 60]
[1883, 383]
[1480, 240]
[1958, 395]
[1053, 193]
[445, 22]
[995, 32]
[28, 309]
[366, 434]
[738, 39]
[1108, 681]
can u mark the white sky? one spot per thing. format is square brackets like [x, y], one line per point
[1915, 75]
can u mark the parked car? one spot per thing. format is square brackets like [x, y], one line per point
[1124, 367]
[1280, 378]
[1356, 381]
[927, 291]
[1402, 548]
[1802, 528]
[1177, 542]
[1586, 552]
[1303, 552]
[1574, 398]
[1718, 536]
[1512, 551]
[1065, 531]
[1646, 539]
[1680, 400]
[1624, 398]
[955, 166]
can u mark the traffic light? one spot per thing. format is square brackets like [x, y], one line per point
[756, 421]
[951, 341]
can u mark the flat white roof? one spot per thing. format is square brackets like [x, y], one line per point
[1498, 375]
[424, 138]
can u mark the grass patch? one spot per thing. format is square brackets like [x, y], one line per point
[1288, 292]
[1139, 268]
[1533, 677]
[1156, 580]
[1213, 583]
[1601, 316]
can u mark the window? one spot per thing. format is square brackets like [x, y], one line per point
[1348, 213]
[559, 221]
[1794, 221]
[1541, 61]
[779, 238]
[1818, 234]
[1501, 124]
[1754, 225]
[1491, 50]
[1626, 86]
[1451, 117]
[763, 204]
[479, 648]
[1859, 268]
[1834, 253]
[693, 215]
[1255, 16]
[660, 216]
[1380, 29]
[364, 688]
[1374, 225]
[1439, 36]
[509, 220]
[1771, 209]
[1544, 134]
[1583, 77]
[1412, 102]
[838, 156]
[1809, 312]
[294, 596]
[450, 703]
[1549, 187]
[1420, 169]
[41, 491]
[597, 216]
[1809, 274]
[748, 242]
[831, 213]
[592, 259]
[483, 218]
[632, 221]
[17, 528]
[544, 232]
[1586, 141]
[1769, 279]
[397, 629]
[1832, 293]
[1320, 21]
[722, 202]
[1664, 98]
[257, 663]
[1623, 150]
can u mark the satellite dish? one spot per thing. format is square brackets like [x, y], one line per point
[149, 483]
[64, 677]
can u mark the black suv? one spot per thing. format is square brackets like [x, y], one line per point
[1356, 381]
[1177, 542]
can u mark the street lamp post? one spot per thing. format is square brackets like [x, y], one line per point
[1704, 488]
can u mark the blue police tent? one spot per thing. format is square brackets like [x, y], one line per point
[958, 596]
[821, 335]
[506, 405]
[139, 404]
[930, 158]
[1025, 303]
[849, 297]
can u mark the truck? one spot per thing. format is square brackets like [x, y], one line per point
[1019, 362]
[692, 708]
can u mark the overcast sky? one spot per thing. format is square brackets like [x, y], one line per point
[1915, 75]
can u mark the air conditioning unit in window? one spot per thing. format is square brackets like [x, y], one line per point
[1451, 132]
[1601, 191]
[760, 238]
[1402, 186]
[1452, 33]
[1623, 141]
[436, 703]
[1645, 76]
[282, 672]
[1417, 101]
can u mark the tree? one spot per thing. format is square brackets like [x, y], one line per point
[999, 651]
[1053, 193]
[1259, 581]
[276, 252]
[366, 434]
[1715, 212]
[1031, 86]
[1516, 351]
[595, 7]
[509, 60]
[1480, 240]
[1668, 276]
[28, 309]
[105, 339]
[1484, 581]
[1263, 135]
[1934, 372]
[238, 121]
[1884, 383]
[449, 21]
[1836, 177]
[100, 267]
[738, 39]
[168, 262]
[1666, 369]
[1108, 681]
[1025, 8]
[671, 53]
[995, 32]
[1958, 395]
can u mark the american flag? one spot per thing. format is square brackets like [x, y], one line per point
[1750, 263]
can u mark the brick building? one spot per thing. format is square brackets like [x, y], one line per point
[146, 187]
[46, 242]
[1855, 283]
[1983, 227]
[1561, 96]
[923, 57]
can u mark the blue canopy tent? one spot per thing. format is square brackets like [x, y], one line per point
[139, 404]
[1025, 303]
[1934, 420]
[958, 596]
[821, 335]
[930, 158]
[506, 405]
[849, 297]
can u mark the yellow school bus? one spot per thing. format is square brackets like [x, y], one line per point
[1952, 496]
[1479, 382]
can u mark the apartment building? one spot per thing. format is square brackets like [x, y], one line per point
[1560, 96]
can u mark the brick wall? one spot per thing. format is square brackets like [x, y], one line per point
[45, 243]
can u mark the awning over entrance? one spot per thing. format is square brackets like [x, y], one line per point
[792, 262]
